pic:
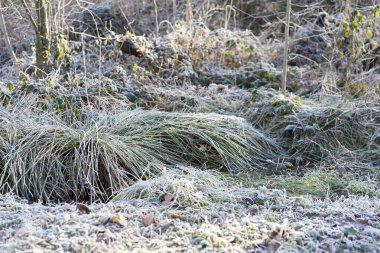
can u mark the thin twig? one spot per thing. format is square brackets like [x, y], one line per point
[34, 24]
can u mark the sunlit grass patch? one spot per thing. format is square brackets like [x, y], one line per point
[323, 183]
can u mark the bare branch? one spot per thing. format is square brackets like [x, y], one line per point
[30, 15]
[4, 30]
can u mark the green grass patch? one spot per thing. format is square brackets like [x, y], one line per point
[323, 183]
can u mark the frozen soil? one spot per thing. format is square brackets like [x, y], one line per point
[227, 217]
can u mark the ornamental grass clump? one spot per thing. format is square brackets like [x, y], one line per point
[44, 157]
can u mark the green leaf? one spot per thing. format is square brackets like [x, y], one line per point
[47, 83]
[76, 111]
[10, 86]
[60, 55]
[351, 231]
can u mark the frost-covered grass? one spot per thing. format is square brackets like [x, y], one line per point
[246, 220]
[44, 157]
[178, 188]
[153, 179]
[319, 182]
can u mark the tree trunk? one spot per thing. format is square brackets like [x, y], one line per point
[42, 38]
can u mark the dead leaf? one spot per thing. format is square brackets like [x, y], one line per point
[349, 219]
[204, 148]
[298, 207]
[174, 215]
[116, 219]
[149, 219]
[168, 198]
[83, 208]
[362, 221]
[275, 232]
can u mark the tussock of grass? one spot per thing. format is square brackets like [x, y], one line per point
[183, 187]
[339, 133]
[46, 158]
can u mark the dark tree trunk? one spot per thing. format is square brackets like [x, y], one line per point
[42, 38]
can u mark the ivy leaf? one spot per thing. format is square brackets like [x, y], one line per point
[10, 86]
[351, 231]
[60, 55]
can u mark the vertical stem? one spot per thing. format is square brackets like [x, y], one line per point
[346, 81]
[174, 9]
[286, 48]
[189, 10]
[156, 18]
[4, 31]
[100, 61]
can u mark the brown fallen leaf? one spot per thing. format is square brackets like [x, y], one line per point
[149, 219]
[83, 208]
[116, 219]
[279, 231]
[168, 198]
[275, 233]
[362, 221]
[174, 215]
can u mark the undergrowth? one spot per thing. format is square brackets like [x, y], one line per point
[44, 157]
